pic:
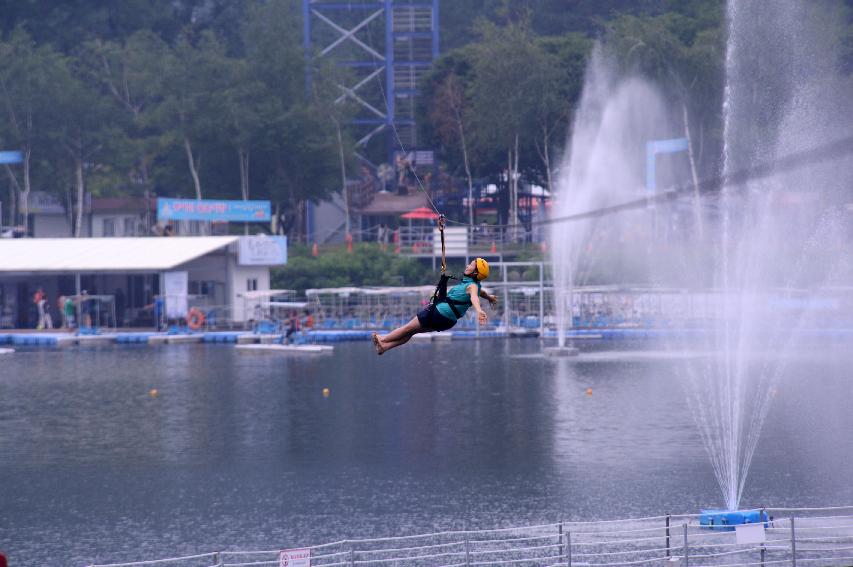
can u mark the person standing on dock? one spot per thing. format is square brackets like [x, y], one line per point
[292, 327]
[44, 311]
[68, 312]
[38, 296]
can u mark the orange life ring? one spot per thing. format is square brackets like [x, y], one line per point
[195, 319]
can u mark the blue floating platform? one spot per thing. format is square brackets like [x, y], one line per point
[133, 338]
[222, 336]
[726, 520]
[338, 336]
[41, 339]
[483, 334]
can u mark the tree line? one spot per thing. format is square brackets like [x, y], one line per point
[208, 98]
[505, 101]
[194, 112]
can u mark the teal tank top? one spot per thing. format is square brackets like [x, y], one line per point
[461, 298]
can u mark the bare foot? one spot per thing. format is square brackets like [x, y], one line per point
[377, 342]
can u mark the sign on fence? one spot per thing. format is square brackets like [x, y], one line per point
[295, 558]
[750, 533]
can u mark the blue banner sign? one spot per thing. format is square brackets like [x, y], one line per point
[210, 210]
[11, 157]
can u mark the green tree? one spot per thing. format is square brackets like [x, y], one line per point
[684, 54]
[191, 102]
[250, 109]
[502, 92]
[337, 268]
[297, 138]
[129, 72]
[29, 76]
[508, 94]
[444, 108]
[69, 24]
[557, 66]
[87, 130]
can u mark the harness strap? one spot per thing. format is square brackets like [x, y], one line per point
[440, 293]
[453, 308]
[440, 296]
[441, 220]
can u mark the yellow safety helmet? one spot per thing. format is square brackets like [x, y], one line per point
[482, 269]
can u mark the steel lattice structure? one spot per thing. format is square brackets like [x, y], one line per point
[386, 46]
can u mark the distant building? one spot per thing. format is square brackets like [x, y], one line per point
[103, 217]
[129, 273]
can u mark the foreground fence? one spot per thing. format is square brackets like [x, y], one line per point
[801, 536]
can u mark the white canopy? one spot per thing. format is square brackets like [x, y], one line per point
[76, 255]
[267, 293]
[342, 291]
[346, 291]
[289, 304]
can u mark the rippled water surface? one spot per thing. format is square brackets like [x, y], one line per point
[243, 451]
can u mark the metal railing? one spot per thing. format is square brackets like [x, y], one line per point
[418, 240]
[791, 536]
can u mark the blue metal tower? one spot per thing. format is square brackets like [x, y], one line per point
[386, 46]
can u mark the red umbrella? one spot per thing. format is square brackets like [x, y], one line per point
[421, 213]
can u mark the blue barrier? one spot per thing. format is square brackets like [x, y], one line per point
[35, 340]
[221, 337]
[266, 327]
[726, 520]
[133, 338]
[178, 330]
[461, 331]
[325, 336]
[483, 334]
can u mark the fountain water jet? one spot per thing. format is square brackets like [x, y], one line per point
[779, 239]
[603, 166]
[773, 244]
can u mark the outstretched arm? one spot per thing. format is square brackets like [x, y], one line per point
[493, 299]
[475, 303]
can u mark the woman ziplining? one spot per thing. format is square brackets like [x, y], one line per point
[446, 306]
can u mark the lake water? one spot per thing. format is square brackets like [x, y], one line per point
[243, 451]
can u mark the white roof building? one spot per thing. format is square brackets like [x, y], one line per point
[219, 271]
[100, 255]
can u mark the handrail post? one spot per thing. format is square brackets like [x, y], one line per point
[569, 549]
[686, 552]
[217, 559]
[351, 556]
[467, 553]
[667, 535]
[793, 544]
[560, 537]
[763, 549]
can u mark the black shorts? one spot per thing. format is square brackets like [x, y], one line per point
[431, 319]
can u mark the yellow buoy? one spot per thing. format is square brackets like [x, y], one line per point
[325, 392]
[152, 392]
[589, 391]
